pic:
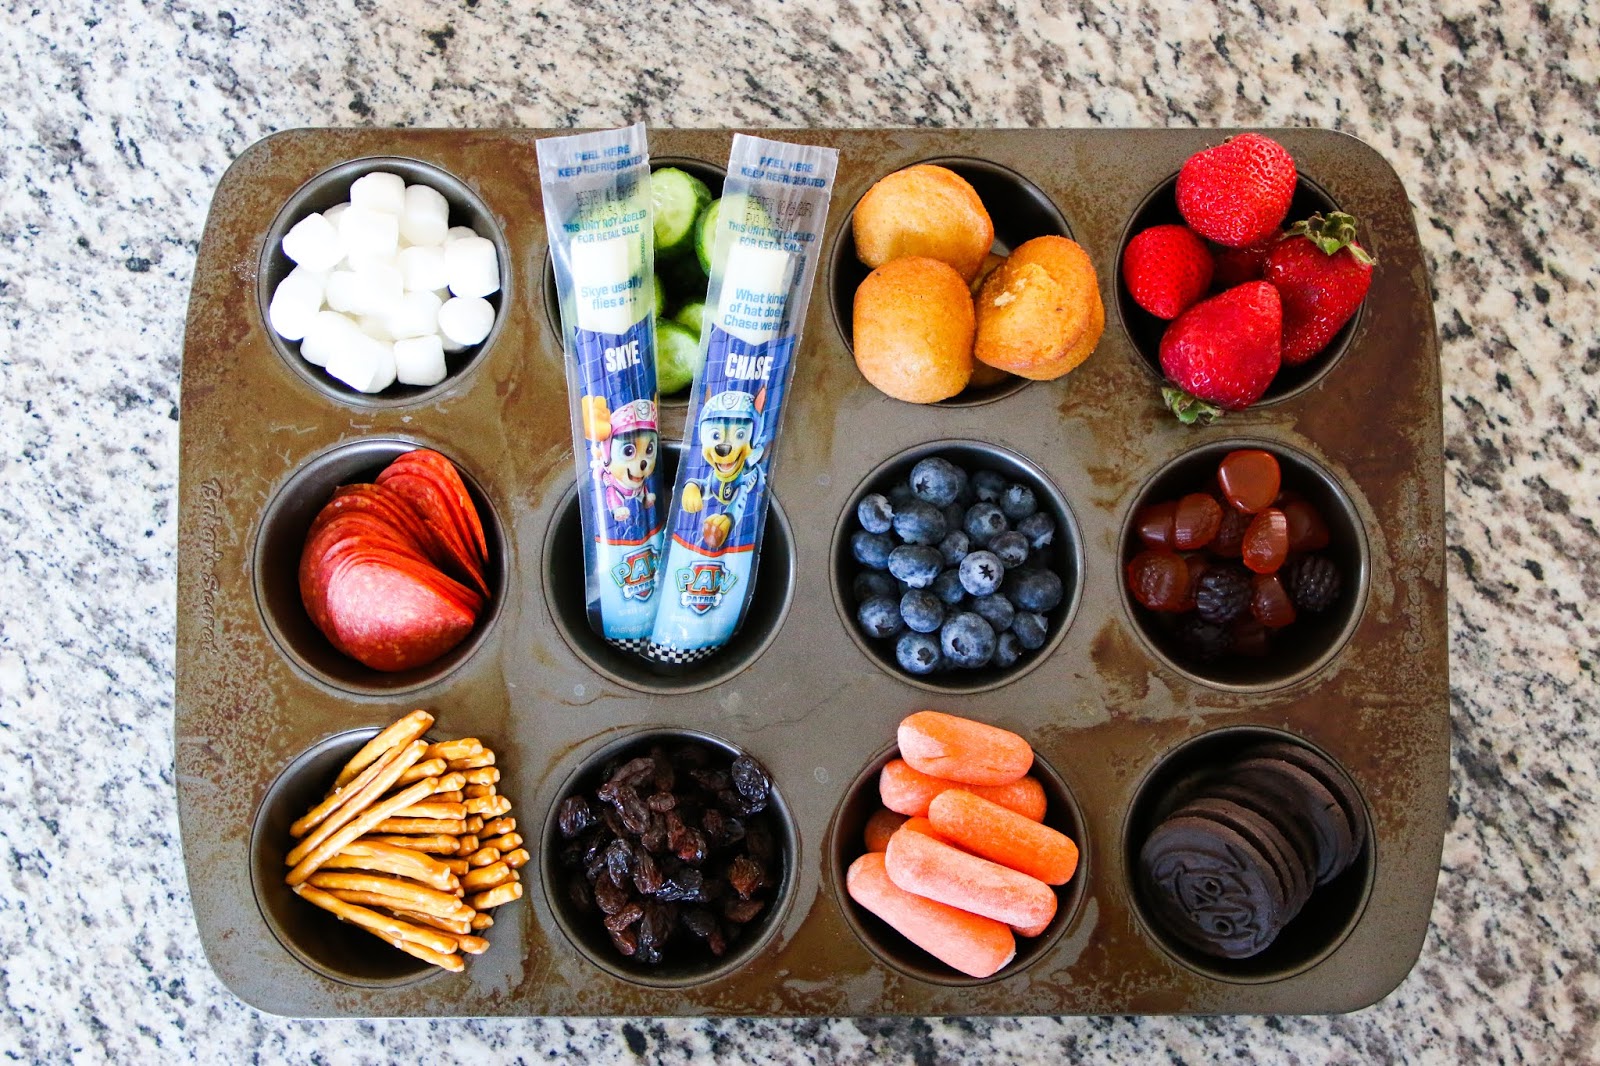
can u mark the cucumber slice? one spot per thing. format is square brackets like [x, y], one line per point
[683, 279]
[705, 235]
[660, 295]
[676, 198]
[677, 356]
[692, 316]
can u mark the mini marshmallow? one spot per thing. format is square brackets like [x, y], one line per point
[314, 243]
[369, 235]
[419, 360]
[379, 191]
[466, 319]
[459, 233]
[342, 292]
[376, 327]
[332, 214]
[416, 314]
[295, 302]
[423, 268]
[472, 267]
[327, 333]
[366, 365]
[426, 218]
[377, 288]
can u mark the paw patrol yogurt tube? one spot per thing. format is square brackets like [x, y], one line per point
[763, 262]
[597, 214]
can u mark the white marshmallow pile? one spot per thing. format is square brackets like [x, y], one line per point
[384, 286]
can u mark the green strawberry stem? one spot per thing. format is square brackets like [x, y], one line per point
[1336, 231]
[1189, 408]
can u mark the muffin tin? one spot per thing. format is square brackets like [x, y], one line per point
[261, 706]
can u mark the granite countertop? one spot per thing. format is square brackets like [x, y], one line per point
[119, 122]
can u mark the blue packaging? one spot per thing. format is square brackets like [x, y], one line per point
[764, 259]
[596, 190]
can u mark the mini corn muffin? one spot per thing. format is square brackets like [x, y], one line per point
[913, 327]
[923, 210]
[1039, 314]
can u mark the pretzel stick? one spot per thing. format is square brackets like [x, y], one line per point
[445, 881]
[433, 808]
[449, 797]
[498, 827]
[504, 844]
[425, 768]
[505, 893]
[474, 823]
[461, 912]
[448, 925]
[426, 865]
[438, 844]
[516, 859]
[404, 731]
[451, 782]
[452, 963]
[341, 795]
[364, 823]
[421, 826]
[472, 945]
[390, 928]
[407, 894]
[458, 867]
[496, 873]
[483, 775]
[473, 763]
[357, 802]
[481, 921]
[488, 806]
[465, 748]
[483, 857]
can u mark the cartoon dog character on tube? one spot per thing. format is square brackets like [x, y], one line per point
[625, 453]
[732, 443]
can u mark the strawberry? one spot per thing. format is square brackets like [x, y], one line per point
[1222, 352]
[1235, 266]
[1322, 274]
[1166, 269]
[1238, 192]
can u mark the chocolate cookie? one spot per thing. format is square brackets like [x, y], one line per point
[1335, 838]
[1332, 778]
[1211, 888]
[1288, 819]
[1297, 876]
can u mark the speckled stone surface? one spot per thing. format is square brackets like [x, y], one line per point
[118, 121]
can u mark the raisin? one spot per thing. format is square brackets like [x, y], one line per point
[634, 772]
[625, 942]
[1196, 521]
[619, 862]
[619, 921]
[713, 781]
[750, 779]
[579, 893]
[758, 841]
[574, 816]
[686, 886]
[654, 839]
[1250, 479]
[646, 874]
[1158, 579]
[741, 911]
[608, 897]
[703, 924]
[660, 802]
[746, 877]
[630, 808]
[739, 803]
[655, 927]
[690, 846]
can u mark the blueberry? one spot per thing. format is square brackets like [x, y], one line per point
[938, 481]
[981, 573]
[900, 493]
[1030, 629]
[871, 549]
[917, 653]
[955, 516]
[1011, 547]
[1034, 590]
[954, 547]
[870, 583]
[922, 610]
[1039, 528]
[1041, 559]
[996, 610]
[916, 564]
[917, 522]
[875, 513]
[984, 523]
[987, 485]
[967, 640]
[880, 617]
[1018, 502]
[1007, 650]
[947, 586]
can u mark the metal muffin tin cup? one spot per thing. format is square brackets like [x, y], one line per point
[1067, 560]
[1322, 924]
[1313, 640]
[1100, 708]
[332, 186]
[1020, 211]
[686, 961]
[1144, 329]
[276, 560]
[845, 845]
[336, 950]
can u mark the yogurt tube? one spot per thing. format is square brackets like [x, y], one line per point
[597, 214]
[764, 259]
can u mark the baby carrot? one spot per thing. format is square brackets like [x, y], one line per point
[959, 749]
[880, 827]
[910, 791]
[1006, 837]
[976, 946]
[932, 868]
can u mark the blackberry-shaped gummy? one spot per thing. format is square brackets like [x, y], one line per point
[1313, 582]
[875, 513]
[1203, 641]
[1223, 594]
[919, 522]
[917, 653]
[938, 481]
